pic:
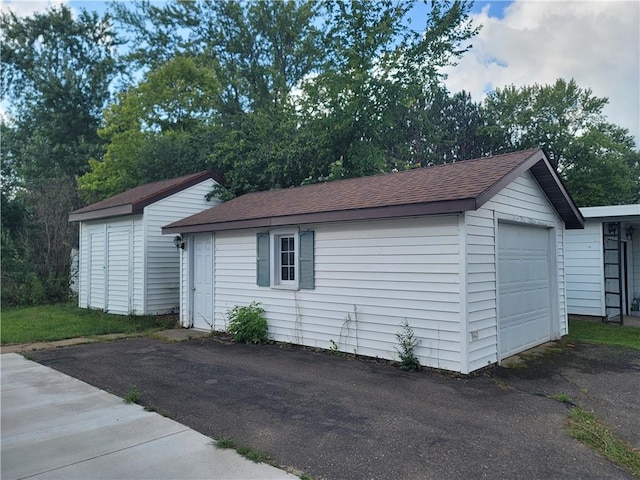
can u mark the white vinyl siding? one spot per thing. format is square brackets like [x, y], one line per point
[369, 278]
[522, 202]
[162, 256]
[481, 289]
[585, 277]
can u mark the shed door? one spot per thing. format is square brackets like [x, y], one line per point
[524, 293]
[119, 270]
[96, 274]
[202, 286]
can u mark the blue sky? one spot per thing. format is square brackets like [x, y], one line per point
[596, 42]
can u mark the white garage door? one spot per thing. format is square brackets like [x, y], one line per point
[524, 293]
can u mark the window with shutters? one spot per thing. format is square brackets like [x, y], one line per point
[285, 259]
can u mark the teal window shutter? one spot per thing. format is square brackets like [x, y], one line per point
[307, 271]
[262, 262]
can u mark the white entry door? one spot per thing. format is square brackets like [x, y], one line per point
[524, 293]
[202, 281]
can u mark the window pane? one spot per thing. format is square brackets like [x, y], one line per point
[287, 259]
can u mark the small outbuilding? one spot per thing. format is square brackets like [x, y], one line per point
[125, 264]
[603, 263]
[469, 254]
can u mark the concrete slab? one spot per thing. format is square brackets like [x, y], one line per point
[55, 426]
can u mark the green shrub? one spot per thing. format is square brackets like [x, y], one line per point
[407, 340]
[248, 324]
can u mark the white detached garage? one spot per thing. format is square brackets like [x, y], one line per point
[125, 264]
[470, 254]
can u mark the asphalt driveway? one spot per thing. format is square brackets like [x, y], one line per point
[336, 418]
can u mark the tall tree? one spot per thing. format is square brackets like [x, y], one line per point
[598, 160]
[57, 69]
[377, 70]
[56, 75]
[156, 129]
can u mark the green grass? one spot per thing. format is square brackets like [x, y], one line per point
[57, 322]
[600, 333]
[587, 429]
[249, 453]
[561, 397]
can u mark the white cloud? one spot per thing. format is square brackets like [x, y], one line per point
[595, 42]
[25, 8]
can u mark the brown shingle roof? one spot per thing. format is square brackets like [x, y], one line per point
[448, 188]
[133, 201]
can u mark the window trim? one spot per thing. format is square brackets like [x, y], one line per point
[275, 261]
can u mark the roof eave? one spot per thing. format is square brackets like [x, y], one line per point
[394, 211]
[550, 183]
[557, 194]
[139, 206]
[117, 211]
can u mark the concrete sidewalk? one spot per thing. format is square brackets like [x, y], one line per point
[54, 426]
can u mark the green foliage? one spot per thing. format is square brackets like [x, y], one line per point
[603, 334]
[56, 74]
[57, 322]
[308, 90]
[225, 443]
[597, 160]
[248, 323]
[57, 69]
[561, 397]
[585, 427]
[407, 340]
[133, 395]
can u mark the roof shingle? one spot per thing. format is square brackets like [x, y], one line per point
[453, 187]
[134, 200]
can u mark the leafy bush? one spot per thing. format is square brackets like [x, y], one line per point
[248, 324]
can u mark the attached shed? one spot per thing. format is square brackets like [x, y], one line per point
[603, 263]
[469, 254]
[125, 264]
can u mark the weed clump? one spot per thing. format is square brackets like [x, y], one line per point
[248, 324]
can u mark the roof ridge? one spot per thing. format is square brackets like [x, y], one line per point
[401, 172]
